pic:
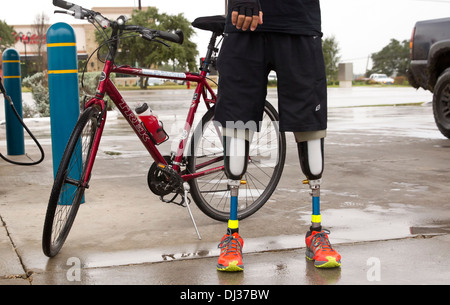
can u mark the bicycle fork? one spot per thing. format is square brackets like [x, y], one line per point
[96, 141]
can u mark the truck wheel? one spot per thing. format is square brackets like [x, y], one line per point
[441, 103]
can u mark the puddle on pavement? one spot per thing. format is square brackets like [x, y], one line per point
[141, 256]
[351, 223]
[356, 222]
[187, 251]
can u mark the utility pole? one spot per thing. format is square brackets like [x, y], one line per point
[140, 7]
[226, 7]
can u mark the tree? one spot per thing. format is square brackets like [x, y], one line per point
[40, 27]
[7, 38]
[393, 59]
[331, 57]
[150, 54]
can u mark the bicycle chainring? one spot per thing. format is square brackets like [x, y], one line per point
[163, 180]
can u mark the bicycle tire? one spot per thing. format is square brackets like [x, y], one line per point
[212, 196]
[67, 191]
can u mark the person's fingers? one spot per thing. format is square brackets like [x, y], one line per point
[240, 21]
[254, 23]
[234, 17]
[248, 21]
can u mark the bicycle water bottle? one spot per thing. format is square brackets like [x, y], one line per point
[151, 123]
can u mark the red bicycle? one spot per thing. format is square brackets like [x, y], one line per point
[196, 167]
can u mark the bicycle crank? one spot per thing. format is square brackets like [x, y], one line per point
[163, 180]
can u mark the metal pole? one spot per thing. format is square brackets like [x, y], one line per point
[25, 39]
[63, 90]
[12, 80]
[63, 87]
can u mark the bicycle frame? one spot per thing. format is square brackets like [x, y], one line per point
[167, 175]
[106, 86]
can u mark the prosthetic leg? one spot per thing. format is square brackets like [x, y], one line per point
[311, 160]
[318, 247]
[236, 151]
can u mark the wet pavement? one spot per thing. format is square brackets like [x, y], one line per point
[385, 198]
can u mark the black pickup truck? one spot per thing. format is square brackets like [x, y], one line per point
[430, 66]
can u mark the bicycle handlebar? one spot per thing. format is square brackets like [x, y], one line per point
[177, 37]
[63, 4]
[78, 11]
[149, 34]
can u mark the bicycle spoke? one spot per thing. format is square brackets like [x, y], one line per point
[69, 184]
[265, 165]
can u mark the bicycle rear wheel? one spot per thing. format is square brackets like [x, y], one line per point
[265, 166]
[68, 187]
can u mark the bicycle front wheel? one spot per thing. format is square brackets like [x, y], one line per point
[266, 161]
[68, 187]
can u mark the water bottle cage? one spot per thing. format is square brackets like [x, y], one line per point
[159, 130]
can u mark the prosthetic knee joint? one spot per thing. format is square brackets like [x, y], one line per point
[236, 152]
[311, 161]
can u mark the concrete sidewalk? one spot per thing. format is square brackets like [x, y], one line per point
[384, 197]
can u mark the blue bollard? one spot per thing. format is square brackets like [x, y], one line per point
[63, 87]
[63, 90]
[13, 85]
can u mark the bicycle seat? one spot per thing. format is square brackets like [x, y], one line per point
[214, 24]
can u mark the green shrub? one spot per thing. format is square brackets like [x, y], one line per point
[39, 90]
[88, 85]
[38, 83]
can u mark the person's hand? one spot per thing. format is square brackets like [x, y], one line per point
[246, 14]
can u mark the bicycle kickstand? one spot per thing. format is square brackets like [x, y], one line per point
[186, 190]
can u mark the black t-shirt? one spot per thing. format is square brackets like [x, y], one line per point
[287, 16]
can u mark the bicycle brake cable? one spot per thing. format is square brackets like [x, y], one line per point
[108, 41]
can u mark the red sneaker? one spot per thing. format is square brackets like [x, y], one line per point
[318, 249]
[230, 258]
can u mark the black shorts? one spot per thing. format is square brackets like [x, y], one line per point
[244, 63]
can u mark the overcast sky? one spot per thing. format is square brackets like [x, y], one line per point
[360, 27]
